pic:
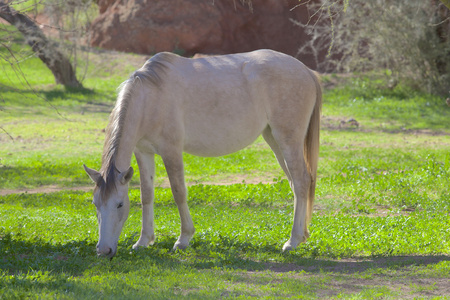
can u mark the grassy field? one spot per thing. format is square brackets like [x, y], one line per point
[381, 226]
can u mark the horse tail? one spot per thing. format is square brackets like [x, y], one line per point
[311, 145]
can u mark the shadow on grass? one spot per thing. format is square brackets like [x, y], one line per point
[29, 96]
[21, 256]
[354, 265]
[41, 174]
[232, 256]
[38, 269]
[75, 257]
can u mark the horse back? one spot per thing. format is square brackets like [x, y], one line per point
[220, 104]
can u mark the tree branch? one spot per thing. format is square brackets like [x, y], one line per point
[49, 54]
[446, 3]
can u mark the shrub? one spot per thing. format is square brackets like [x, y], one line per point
[409, 38]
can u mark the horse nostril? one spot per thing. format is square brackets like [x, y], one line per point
[104, 251]
[110, 254]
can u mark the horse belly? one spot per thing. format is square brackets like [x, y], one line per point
[219, 132]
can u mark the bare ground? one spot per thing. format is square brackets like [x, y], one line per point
[164, 184]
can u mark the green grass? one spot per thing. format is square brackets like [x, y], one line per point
[380, 228]
[48, 243]
[380, 108]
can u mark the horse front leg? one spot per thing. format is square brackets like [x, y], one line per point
[146, 163]
[175, 171]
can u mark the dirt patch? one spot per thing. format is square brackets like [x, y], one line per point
[348, 124]
[44, 190]
[162, 184]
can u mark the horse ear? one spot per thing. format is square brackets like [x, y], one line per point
[125, 177]
[93, 174]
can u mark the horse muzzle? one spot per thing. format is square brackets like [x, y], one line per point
[105, 251]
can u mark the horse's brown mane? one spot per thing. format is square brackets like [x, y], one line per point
[152, 73]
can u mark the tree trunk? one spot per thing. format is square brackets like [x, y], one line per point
[47, 51]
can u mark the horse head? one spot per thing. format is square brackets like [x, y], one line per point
[113, 205]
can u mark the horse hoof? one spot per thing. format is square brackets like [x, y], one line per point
[137, 246]
[144, 241]
[292, 244]
[179, 246]
[141, 245]
[287, 247]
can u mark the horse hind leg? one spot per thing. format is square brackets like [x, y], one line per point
[289, 153]
[300, 183]
[268, 137]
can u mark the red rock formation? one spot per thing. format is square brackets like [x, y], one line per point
[200, 26]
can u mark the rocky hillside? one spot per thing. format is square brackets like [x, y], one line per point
[200, 26]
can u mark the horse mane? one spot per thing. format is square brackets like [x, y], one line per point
[151, 73]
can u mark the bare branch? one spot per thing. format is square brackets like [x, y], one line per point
[22, 77]
[2, 129]
[45, 50]
[410, 38]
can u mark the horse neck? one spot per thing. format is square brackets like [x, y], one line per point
[125, 149]
[127, 128]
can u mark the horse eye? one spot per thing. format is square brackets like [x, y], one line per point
[120, 205]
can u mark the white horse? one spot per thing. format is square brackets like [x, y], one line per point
[208, 106]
